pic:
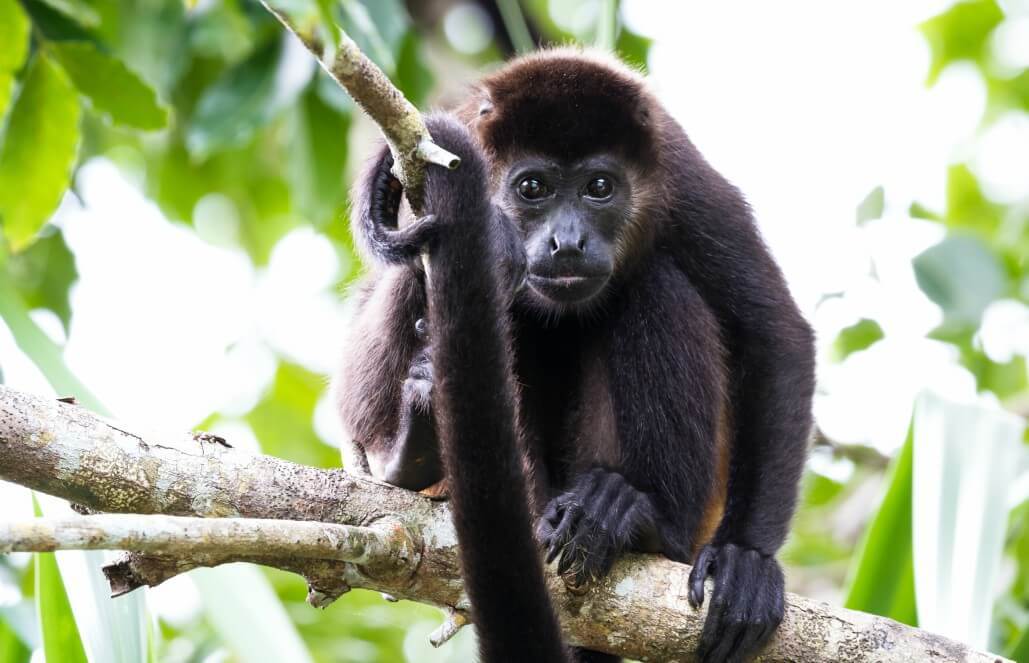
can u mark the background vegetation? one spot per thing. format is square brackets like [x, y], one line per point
[191, 158]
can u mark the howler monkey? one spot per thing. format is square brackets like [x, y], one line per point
[606, 350]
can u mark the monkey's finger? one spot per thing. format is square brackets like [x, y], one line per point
[766, 609]
[739, 615]
[717, 612]
[570, 518]
[604, 492]
[702, 566]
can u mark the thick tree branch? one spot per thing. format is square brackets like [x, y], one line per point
[639, 611]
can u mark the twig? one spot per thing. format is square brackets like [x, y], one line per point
[639, 611]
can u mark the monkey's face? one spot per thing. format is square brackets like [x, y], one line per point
[571, 215]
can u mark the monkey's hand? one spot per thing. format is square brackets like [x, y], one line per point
[588, 526]
[747, 603]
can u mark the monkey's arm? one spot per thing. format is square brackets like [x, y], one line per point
[771, 364]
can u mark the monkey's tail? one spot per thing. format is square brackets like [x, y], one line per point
[477, 409]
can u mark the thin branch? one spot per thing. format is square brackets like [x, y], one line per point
[859, 454]
[399, 120]
[179, 535]
[639, 611]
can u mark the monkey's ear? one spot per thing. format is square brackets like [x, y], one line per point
[643, 115]
[485, 105]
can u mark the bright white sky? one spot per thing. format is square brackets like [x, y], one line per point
[806, 105]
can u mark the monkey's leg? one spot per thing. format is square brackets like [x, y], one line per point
[413, 460]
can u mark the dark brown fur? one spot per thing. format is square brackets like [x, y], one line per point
[684, 390]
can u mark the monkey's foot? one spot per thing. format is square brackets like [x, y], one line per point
[594, 521]
[747, 603]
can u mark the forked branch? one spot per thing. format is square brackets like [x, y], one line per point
[639, 611]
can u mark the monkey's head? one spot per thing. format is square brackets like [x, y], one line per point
[570, 138]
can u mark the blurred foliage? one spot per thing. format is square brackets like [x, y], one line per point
[210, 101]
[882, 578]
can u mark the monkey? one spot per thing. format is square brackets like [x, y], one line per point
[605, 359]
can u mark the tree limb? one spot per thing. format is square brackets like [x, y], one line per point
[639, 611]
[399, 120]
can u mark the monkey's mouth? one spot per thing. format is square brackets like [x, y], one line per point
[567, 289]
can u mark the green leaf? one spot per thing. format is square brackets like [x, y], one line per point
[317, 158]
[239, 103]
[80, 12]
[112, 88]
[882, 574]
[961, 33]
[871, 207]
[43, 352]
[633, 48]
[919, 211]
[61, 641]
[12, 649]
[39, 151]
[962, 275]
[1020, 650]
[284, 420]
[954, 484]
[14, 46]
[967, 207]
[14, 35]
[413, 78]
[859, 336]
[377, 26]
[248, 616]
[43, 274]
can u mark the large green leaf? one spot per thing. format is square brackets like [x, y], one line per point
[14, 44]
[38, 152]
[61, 641]
[240, 102]
[81, 12]
[882, 574]
[962, 275]
[317, 157]
[1019, 652]
[12, 649]
[43, 274]
[966, 458]
[961, 33]
[112, 88]
[247, 614]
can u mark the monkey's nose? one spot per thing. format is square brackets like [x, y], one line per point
[567, 245]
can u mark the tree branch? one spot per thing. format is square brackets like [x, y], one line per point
[179, 535]
[399, 120]
[639, 611]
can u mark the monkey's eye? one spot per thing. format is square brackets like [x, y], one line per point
[599, 187]
[532, 188]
